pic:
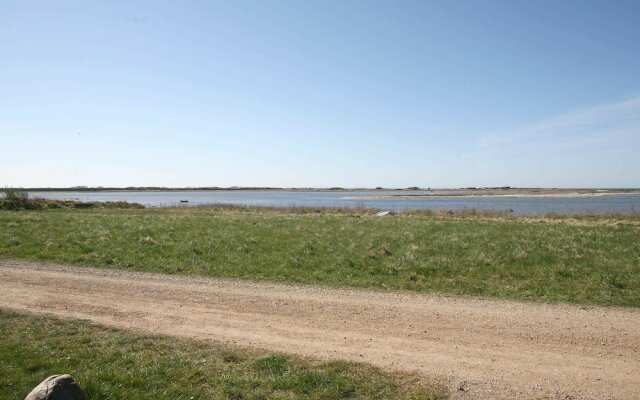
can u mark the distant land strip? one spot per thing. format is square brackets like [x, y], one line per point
[429, 191]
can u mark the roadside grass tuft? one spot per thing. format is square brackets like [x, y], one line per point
[115, 364]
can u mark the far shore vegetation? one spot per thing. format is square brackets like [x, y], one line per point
[584, 259]
[116, 364]
[493, 190]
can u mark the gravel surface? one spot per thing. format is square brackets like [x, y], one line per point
[482, 349]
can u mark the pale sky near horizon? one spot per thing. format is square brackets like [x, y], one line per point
[320, 93]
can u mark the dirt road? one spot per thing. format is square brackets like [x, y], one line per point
[492, 349]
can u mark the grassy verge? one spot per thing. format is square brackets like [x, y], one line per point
[113, 364]
[44, 204]
[593, 260]
[19, 200]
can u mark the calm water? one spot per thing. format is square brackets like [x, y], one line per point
[379, 199]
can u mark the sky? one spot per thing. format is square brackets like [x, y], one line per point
[320, 93]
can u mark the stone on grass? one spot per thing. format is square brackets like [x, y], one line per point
[57, 387]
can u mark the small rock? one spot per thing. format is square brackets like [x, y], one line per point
[57, 387]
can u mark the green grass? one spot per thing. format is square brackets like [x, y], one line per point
[114, 364]
[590, 260]
[25, 203]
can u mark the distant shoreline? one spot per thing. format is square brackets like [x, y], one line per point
[521, 195]
[404, 193]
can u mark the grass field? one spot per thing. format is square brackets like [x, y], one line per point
[591, 260]
[113, 364]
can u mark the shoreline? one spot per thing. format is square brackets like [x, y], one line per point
[463, 191]
[384, 193]
[515, 195]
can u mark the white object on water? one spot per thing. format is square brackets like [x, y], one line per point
[383, 213]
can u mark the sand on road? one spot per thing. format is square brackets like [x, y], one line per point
[490, 348]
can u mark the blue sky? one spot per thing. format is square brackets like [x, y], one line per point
[324, 93]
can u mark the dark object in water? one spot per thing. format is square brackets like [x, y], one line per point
[184, 201]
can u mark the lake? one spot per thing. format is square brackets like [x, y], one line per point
[387, 200]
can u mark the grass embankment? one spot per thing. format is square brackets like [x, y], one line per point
[592, 260]
[44, 204]
[113, 364]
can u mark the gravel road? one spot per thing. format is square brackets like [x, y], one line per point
[482, 349]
